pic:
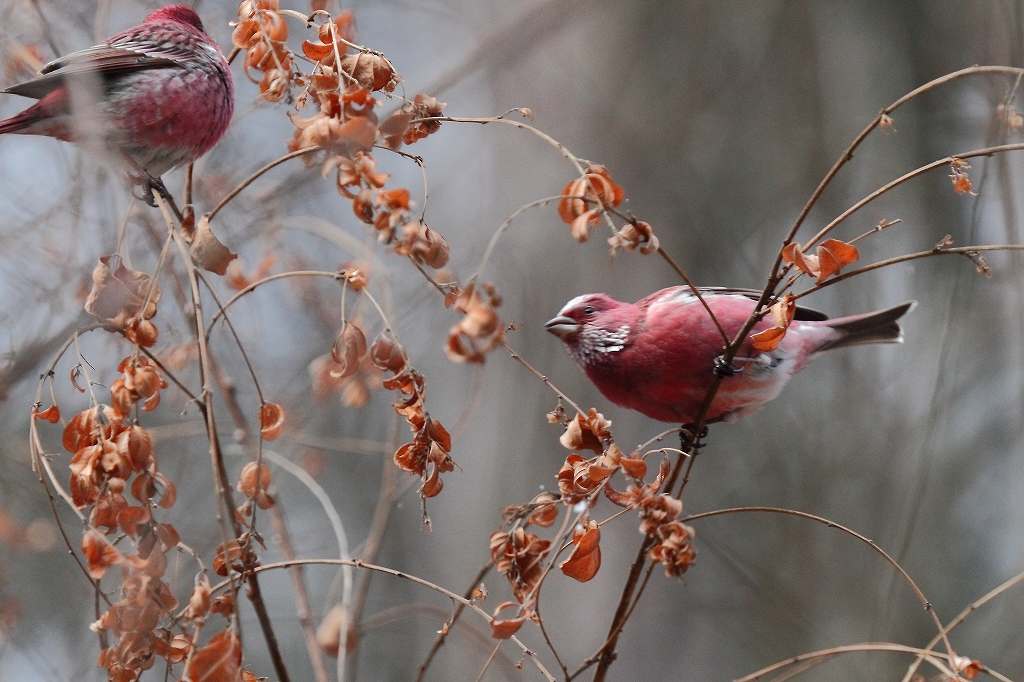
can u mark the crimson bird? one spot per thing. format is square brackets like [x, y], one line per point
[659, 355]
[157, 95]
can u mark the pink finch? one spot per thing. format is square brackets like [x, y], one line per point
[658, 355]
[158, 95]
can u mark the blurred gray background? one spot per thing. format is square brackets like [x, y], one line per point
[718, 118]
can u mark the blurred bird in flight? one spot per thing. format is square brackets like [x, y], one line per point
[658, 356]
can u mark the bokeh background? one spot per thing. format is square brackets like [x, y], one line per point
[718, 118]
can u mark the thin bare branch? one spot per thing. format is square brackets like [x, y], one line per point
[925, 603]
[256, 175]
[356, 563]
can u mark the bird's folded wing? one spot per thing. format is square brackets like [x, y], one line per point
[105, 61]
[806, 314]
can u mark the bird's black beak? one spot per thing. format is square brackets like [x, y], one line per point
[562, 326]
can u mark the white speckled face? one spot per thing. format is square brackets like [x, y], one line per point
[595, 344]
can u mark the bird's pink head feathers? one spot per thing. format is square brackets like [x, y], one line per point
[183, 14]
[593, 326]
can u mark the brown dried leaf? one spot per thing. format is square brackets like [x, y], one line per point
[768, 340]
[129, 518]
[170, 495]
[503, 628]
[387, 354]
[199, 602]
[119, 293]
[329, 632]
[845, 253]
[425, 246]
[371, 71]
[546, 512]
[636, 235]
[674, 548]
[316, 51]
[227, 557]
[219, 661]
[586, 432]
[254, 479]
[794, 255]
[348, 350]
[580, 227]
[634, 466]
[207, 251]
[833, 255]
[432, 485]
[423, 106]
[136, 443]
[783, 311]
[585, 560]
[271, 420]
[50, 414]
[99, 554]
[394, 126]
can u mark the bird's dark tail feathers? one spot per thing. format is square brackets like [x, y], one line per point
[50, 105]
[880, 326]
[19, 122]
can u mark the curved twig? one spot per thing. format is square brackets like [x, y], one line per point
[442, 634]
[847, 154]
[849, 531]
[962, 616]
[260, 282]
[221, 483]
[892, 184]
[952, 250]
[256, 175]
[543, 377]
[340, 536]
[356, 563]
[866, 646]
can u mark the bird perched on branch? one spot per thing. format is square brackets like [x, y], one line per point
[659, 355]
[157, 95]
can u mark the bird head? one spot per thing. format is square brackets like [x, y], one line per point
[593, 327]
[183, 14]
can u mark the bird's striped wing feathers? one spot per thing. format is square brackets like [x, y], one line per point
[127, 52]
[683, 294]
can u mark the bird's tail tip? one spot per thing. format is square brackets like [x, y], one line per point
[880, 326]
[15, 123]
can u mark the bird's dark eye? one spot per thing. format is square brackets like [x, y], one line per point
[588, 310]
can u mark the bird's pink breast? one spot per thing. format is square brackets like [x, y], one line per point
[174, 108]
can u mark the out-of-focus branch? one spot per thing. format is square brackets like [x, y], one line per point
[966, 251]
[925, 603]
[29, 358]
[442, 634]
[356, 563]
[962, 616]
[932, 657]
[255, 176]
[302, 608]
[221, 482]
[374, 539]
